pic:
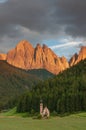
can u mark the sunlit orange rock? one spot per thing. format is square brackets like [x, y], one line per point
[78, 57]
[22, 55]
[26, 57]
[3, 56]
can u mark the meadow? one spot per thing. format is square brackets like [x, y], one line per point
[72, 122]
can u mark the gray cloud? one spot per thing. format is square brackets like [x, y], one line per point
[34, 14]
[45, 15]
[49, 18]
[72, 14]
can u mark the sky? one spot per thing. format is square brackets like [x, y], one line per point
[60, 24]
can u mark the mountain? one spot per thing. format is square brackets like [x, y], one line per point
[14, 81]
[3, 56]
[25, 56]
[78, 57]
[21, 56]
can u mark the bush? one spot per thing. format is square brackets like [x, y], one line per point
[54, 113]
[39, 117]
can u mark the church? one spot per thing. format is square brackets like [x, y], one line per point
[44, 112]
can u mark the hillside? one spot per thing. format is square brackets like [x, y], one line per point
[41, 73]
[65, 93]
[14, 81]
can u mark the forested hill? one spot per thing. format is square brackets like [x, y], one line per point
[14, 81]
[64, 93]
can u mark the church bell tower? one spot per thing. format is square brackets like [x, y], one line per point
[41, 107]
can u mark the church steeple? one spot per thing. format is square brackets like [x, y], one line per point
[41, 107]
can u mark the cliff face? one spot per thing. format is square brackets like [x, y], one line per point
[47, 59]
[3, 56]
[78, 57]
[26, 57]
[22, 55]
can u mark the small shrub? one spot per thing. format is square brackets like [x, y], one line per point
[39, 117]
[54, 113]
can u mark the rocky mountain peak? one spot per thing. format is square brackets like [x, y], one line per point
[3, 56]
[26, 57]
[23, 45]
[78, 57]
[73, 59]
[38, 47]
[21, 56]
[45, 46]
[83, 52]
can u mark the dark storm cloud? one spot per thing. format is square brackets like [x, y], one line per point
[72, 14]
[34, 14]
[10, 31]
[49, 16]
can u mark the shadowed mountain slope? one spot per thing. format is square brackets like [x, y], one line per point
[14, 81]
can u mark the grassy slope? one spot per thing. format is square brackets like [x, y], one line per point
[14, 81]
[73, 122]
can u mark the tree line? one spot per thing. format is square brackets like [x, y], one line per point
[65, 93]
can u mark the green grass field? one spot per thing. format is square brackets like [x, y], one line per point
[72, 122]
